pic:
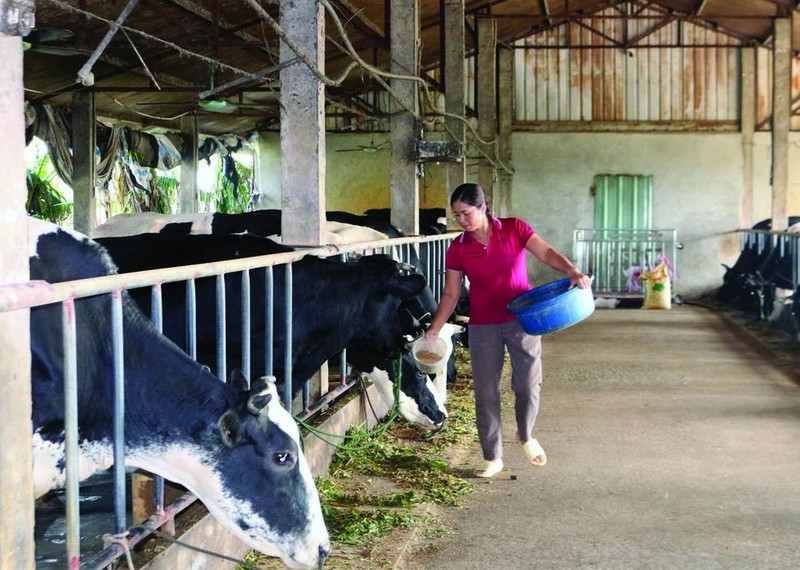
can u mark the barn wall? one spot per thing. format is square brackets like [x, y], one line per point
[697, 189]
[355, 180]
[762, 190]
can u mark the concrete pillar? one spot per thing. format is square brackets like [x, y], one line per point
[303, 136]
[303, 126]
[16, 458]
[404, 41]
[487, 101]
[781, 121]
[454, 84]
[748, 127]
[505, 118]
[188, 198]
[84, 146]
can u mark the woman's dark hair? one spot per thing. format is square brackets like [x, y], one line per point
[469, 193]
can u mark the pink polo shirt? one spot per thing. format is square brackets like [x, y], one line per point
[497, 273]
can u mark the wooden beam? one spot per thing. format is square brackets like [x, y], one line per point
[84, 143]
[487, 101]
[781, 121]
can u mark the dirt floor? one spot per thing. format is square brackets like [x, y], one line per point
[672, 443]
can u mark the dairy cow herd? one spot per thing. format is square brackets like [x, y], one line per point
[236, 447]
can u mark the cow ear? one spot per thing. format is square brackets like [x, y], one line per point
[408, 285]
[238, 380]
[257, 402]
[229, 428]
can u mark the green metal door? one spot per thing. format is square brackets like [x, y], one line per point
[623, 201]
[623, 216]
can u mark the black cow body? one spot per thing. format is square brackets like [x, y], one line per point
[180, 421]
[336, 305]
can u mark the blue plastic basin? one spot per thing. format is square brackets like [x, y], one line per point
[552, 307]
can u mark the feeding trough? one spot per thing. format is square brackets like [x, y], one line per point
[552, 307]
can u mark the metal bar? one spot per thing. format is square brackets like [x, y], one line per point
[71, 449]
[269, 334]
[118, 351]
[138, 533]
[157, 316]
[191, 318]
[85, 73]
[34, 293]
[287, 354]
[222, 338]
[246, 353]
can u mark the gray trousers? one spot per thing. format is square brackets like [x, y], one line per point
[487, 346]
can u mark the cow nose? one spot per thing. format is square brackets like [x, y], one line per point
[323, 554]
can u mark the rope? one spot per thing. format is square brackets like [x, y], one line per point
[370, 436]
[173, 540]
[120, 540]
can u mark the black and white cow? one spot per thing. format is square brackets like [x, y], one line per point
[752, 281]
[134, 254]
[238, 451]
[336, 304]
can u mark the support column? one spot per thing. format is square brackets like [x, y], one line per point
[16, 458]
[487, 101]
[748, 127]
[188, 198]
[404, 131]
[303, 137]
[303, 126]
[505, 92]
[781, 121]
[84, 145]
[454, 84]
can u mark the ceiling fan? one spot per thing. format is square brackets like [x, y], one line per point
[52, 41]
[370, 148]
[210, 105]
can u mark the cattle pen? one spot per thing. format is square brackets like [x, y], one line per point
[18, 298]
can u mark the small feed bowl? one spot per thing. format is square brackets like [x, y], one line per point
[429, 354]
[552, 307]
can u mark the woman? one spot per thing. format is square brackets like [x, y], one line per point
[491, 253]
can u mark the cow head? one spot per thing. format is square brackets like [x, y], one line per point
[249, 471]
[420, 402]
[394, 284]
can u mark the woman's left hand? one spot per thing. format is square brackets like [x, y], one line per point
[580, 279]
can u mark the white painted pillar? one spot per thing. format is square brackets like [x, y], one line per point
[487, 100]
[16, 459]
[404, 41]
[454, 84]
[303, 126]
[781, 121]
[748, 127]
[84, 146]
[188, 196]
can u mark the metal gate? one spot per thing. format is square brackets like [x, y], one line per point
[617, 257]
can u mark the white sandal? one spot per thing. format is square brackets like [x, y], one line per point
[535, 453]
[490, 469]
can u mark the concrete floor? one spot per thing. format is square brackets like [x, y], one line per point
[672, 442]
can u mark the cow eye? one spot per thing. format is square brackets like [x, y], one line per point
[283, 459]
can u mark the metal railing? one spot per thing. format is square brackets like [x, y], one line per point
[783, 245]
[615, 257]
[428, 250]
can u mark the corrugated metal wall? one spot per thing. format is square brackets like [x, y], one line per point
[595, 81]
